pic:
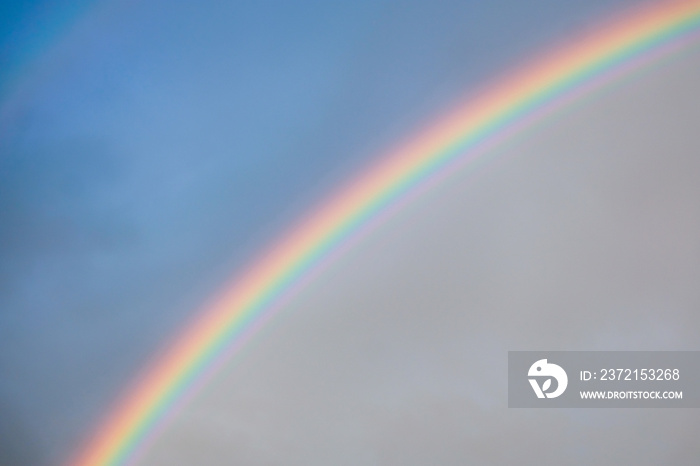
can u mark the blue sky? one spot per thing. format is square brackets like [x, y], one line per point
[148, 149]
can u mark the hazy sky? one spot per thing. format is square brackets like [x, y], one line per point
[148, 149]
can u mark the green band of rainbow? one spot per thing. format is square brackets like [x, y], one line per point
[456, 139]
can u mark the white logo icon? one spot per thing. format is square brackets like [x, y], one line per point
[543, 369]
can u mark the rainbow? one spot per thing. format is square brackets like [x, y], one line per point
[459, 138]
